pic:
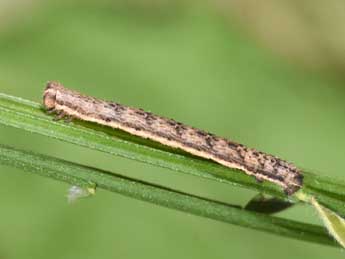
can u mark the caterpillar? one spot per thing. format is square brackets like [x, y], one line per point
[69, 103]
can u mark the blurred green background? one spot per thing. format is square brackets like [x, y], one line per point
[267, 75]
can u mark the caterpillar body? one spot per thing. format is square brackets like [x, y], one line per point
[70, 103]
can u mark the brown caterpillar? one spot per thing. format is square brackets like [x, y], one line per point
[69, 103]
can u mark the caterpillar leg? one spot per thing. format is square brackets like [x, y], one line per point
[50, 111]
[60, 115]
[68, 119]
[259, 179]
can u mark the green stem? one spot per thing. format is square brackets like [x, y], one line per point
[84, 176]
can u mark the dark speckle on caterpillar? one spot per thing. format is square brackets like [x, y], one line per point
[69, 103]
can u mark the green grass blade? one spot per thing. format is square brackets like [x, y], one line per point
[84, 176]
[333, 222]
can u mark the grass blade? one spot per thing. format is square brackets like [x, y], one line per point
[334, 223]
[85, 176]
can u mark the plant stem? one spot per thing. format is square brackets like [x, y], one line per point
[85, 176]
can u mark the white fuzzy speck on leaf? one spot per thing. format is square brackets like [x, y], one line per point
[75, 193]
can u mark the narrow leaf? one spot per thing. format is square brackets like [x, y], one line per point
[83, 176]
[334, 223]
